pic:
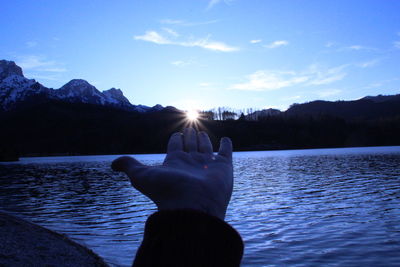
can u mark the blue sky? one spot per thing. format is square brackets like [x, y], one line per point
[204, 54]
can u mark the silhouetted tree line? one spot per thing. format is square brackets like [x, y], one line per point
[76, 129]
[226, 113]
[220, 113]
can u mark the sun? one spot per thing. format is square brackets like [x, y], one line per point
[191, 118]
[192, 115]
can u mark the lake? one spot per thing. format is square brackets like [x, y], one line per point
[318, 207]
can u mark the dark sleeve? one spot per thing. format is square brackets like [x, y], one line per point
[188, 238]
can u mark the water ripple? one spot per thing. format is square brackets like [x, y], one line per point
[302, 208]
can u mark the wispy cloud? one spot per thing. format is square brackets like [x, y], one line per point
[264, 80]
[179, 63]
[39, 64]
[212, 3]
[204, 84]
[368, 64]
[396, 44]
[210, 45]
[329, 44]
[380, 83]
[276, 44]
[171, 21]
[33, 62]
[321, 76]
[44, 77]
[182, 63]
[205, 43]
[171, 32]
[337, 47]
[328, 92]
[178, 22]
[255, 41]
[374, 85]
[54, 69]
[153, 37]
[267, 80]
[357, 48]
[31, 44]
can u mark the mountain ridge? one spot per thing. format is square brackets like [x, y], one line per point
[77, 120]
[369, 107]
[16, 90]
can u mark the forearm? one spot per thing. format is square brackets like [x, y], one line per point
[188, 238]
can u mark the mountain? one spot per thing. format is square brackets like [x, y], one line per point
[382, 98]
[9, 68]
[80, 91]
[116, 96]
[260, 114]
[370, 107]
[15, 89]
[18, 91]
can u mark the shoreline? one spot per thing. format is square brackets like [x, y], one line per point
[261, 148]
[28, 244]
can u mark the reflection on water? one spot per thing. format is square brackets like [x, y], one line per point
[335, 207]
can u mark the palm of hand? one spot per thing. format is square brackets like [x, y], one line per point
[196, 179]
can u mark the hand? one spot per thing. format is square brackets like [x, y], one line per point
[191, 177]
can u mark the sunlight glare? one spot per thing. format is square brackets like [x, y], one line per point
[192, 115]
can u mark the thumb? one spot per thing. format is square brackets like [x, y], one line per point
[134, 169]
[125, 164]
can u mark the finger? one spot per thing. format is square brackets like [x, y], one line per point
[133, 168]
[125, 164]
[190, 140]
[175, 143]
[205, 145]
[225, 148]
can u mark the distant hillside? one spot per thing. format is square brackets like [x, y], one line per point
[61, 128]
[260, 114]
[366, 108]
[78, 119]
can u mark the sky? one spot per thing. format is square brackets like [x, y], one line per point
[209, 53]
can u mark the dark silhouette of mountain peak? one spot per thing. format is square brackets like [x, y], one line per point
[116, 95]
[8, 68]
[78, 86]
[113, 91]
[382, 98]
[78, 90]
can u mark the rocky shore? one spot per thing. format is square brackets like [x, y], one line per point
[26, 244]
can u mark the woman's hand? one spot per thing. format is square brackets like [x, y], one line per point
[191, 177]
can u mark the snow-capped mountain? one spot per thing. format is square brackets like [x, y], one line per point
[9, 68]
[16, 90]
[116, 96]
[80, 91]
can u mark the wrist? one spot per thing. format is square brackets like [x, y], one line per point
[191, 234]
[202, 207]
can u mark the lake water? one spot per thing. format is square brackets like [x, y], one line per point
[320, 207]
